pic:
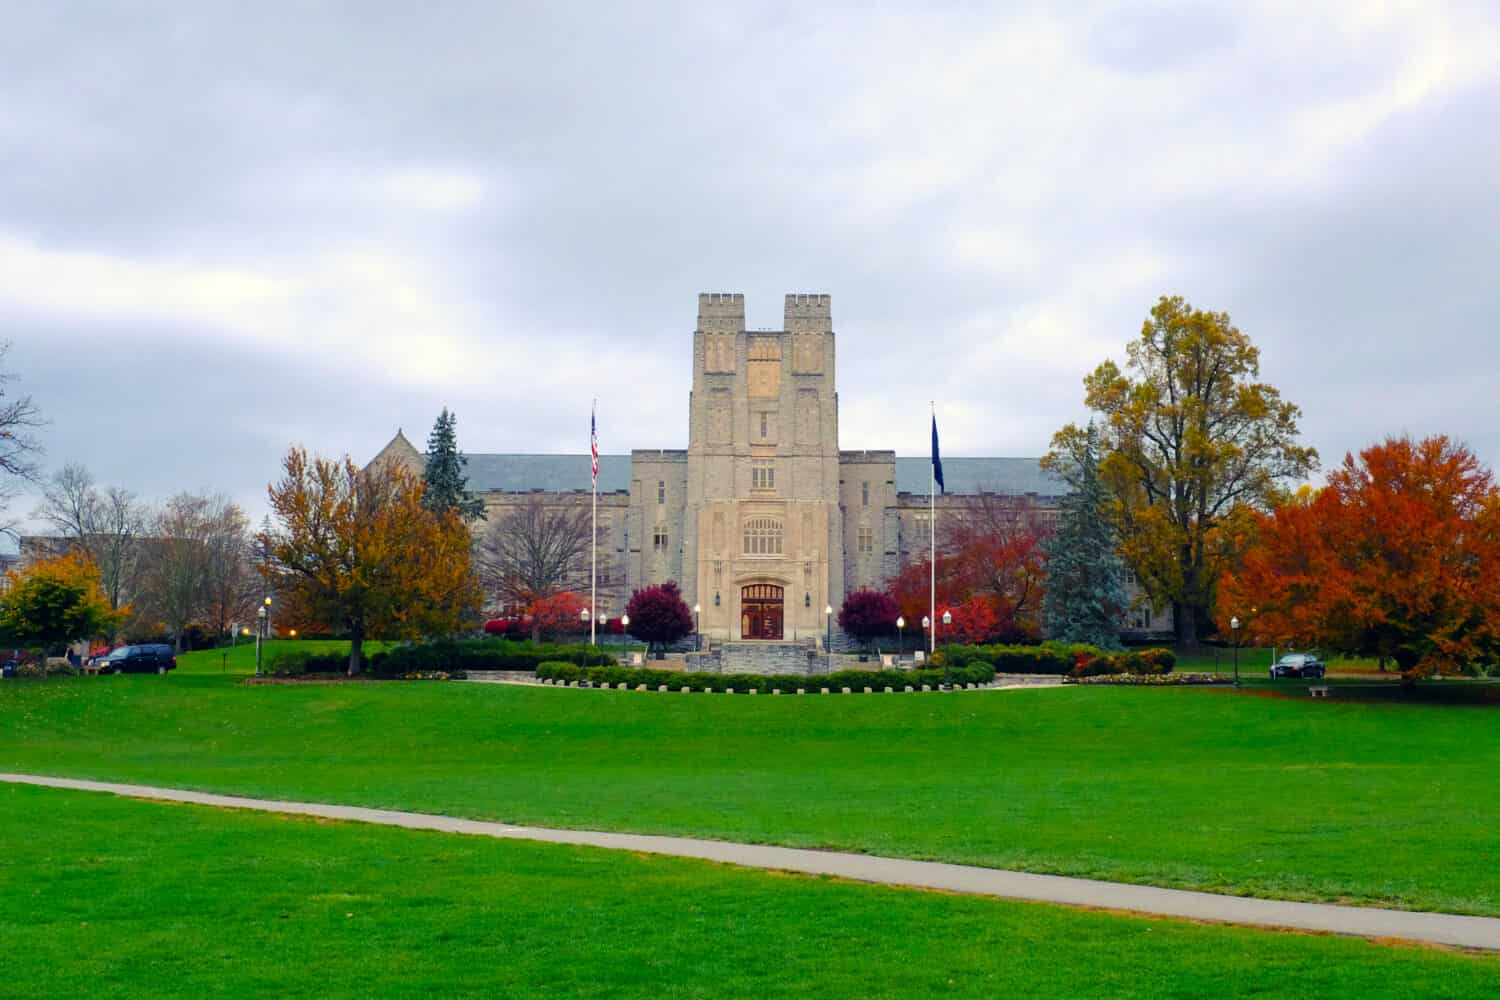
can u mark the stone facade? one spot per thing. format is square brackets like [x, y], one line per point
[762, 520]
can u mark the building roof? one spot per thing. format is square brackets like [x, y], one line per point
[550, 473]
[560, 473]
[1010, 476]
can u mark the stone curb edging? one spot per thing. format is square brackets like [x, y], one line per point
[1013, 682]
[1455, 930]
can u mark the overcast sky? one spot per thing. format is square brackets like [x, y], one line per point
[224, 229]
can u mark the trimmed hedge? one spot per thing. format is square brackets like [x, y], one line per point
[297, 662]
[675, 680]
[1060, 659]
[481, 654]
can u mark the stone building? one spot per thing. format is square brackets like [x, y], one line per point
[762, 519]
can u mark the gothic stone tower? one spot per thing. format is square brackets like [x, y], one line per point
[763, 540]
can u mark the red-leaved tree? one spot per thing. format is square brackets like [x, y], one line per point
[556, 615]
[1398, 557]
[658, 614]
[868, 615]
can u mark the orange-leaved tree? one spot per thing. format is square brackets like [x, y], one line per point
[358, 551]
[54, 601]
[1397, 557]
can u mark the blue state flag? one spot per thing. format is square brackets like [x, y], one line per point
[937, 461]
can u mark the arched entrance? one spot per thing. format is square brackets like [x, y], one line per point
[760, 611]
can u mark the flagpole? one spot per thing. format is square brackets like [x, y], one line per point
[932, 533]
[594, 548]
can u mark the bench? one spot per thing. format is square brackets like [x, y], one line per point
[1318, 692]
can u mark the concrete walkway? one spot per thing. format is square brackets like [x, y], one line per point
[1436, 928]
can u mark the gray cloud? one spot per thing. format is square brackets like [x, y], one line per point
[223, 229]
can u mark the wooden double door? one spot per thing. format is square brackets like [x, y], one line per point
[761, 609]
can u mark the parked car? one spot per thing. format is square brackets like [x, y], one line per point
[147, 658]
[1298, 665]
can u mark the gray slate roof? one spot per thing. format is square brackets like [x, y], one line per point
[1011, 476]
[550, 473]
[560, 473]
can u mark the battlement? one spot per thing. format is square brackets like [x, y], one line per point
[808, 306]
[722, 305]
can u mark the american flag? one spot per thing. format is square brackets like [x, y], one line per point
[594, 448]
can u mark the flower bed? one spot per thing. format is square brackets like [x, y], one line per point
[1149, 680]
[855, 680]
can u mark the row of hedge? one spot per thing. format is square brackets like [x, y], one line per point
[1060, 659]
[855, 680]
[443, 656]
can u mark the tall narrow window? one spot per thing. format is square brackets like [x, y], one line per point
[864, 491]
[762, 474]
[659, 539]
[661, 491]
[763, 424]
[866, 540]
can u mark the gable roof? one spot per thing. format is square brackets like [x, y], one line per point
[549, 473]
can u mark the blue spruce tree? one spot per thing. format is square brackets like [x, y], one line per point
[1085, 593]
[447, 486]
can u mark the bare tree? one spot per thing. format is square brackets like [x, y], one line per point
[533, 551]
[175, 576]
[233, 586]
[19, 449]
[107, 527]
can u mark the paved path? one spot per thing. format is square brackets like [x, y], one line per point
[1437, 928]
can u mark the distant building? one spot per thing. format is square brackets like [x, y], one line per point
[762, 520]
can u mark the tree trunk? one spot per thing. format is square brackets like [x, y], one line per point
[1185, 617]
[356, 643]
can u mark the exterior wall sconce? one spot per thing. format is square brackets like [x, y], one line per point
[716, 598]
[807, 600]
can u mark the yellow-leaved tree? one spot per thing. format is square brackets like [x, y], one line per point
[356, 551]
[1191, 444]
[56, 601]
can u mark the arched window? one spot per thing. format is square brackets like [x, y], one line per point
[762, 537]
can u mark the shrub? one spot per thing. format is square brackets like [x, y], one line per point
[659, 615]
[297, 662]
[1149, 680]
[1058, 658]
[868, 614]
[449, 656]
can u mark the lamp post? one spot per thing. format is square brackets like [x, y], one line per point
[624, 630]
[947, 620]
[828, 642]
[261, 614]
[1234, 628]
[926, 624]
[900, 637]
[697, 630]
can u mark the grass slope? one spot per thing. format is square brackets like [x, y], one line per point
[240, 658]
[123, 899]
[1392, 804]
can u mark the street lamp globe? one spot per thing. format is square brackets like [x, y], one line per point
[926, 622]
[268, 602]
[827, 609]
[947, 618]
[624, 621]
[697, 609]
[583, 616]
[1234, 623]
[900, 622]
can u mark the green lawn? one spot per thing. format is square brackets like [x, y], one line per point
[1302, 799]
[240, 659]
[105, 897]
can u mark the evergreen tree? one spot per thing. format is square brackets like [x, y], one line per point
[447, 486]
[1085, 591]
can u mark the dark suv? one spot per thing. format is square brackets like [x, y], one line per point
[149, 658]
[1298, 665]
